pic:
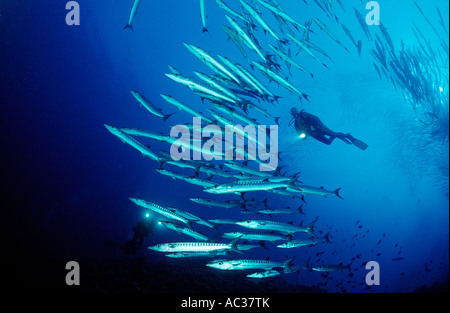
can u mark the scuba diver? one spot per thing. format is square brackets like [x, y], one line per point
[142, 229]
[307, 124]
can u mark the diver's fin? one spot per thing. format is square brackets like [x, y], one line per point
[359, 144]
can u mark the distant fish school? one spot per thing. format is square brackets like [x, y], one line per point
[236, 94]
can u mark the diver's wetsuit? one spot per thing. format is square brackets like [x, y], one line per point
[312, 126]
[142, 229]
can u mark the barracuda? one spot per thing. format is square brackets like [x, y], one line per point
[171, 174]
[246, 39]
[185, 108]
[195, 86]
[265, 274]
[222, 221]
[248, 170]
[242, 186]
[249, 78]
[211, 62]
[184, 230]
[233, 35]
[203, 14]
[280, 80]
[200, 182]
[225, 7]
[196, 247]
[306, 49]
[281, 14]
[132, 15]
[170, 213]
[193, 218]
[289, 60]
[278, 226]
[304, 189]
[261, 21]
[219, 87]
[267, 236]
[215, 203]
[304, 242]
[146, 152]
[332, 36]
[149, 105]
[234, 113]
[148, 134]
[251, 264]
[277, 211]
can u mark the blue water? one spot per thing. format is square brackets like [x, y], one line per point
[69, 179]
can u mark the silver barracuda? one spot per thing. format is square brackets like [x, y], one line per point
[245, 38]
[248, 170]
[149, 105]
[225, 7]
[265, 274]
[234, 113]
[278, 226]
[195, 86]
[218, 86]
[148, 134]
[196, 247]
[306, 49]
[171, 174]
[167, 212]
[179, 255]
[277, 211]
[261, 21]
[304, 189]
[296, 243]
[242, 186]
[133, 12]
[332, 36]
[211, 62]
[146, 152]
[264, 236]
[222, 221]
[184, 107]
[244, 74]
[250, 264]
[193, 218]
[249, 78]
[211, 203]
[289, 60]
[280, 80]
[233, 35]
[184, 230]
[203, 15]
[200, 182]
[330, 268]
[281, 14]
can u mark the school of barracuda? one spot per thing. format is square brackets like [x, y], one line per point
[236, 95]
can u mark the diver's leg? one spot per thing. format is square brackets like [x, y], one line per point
[325, 140]
[343, 137]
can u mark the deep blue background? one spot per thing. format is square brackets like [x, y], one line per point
[67, 180]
